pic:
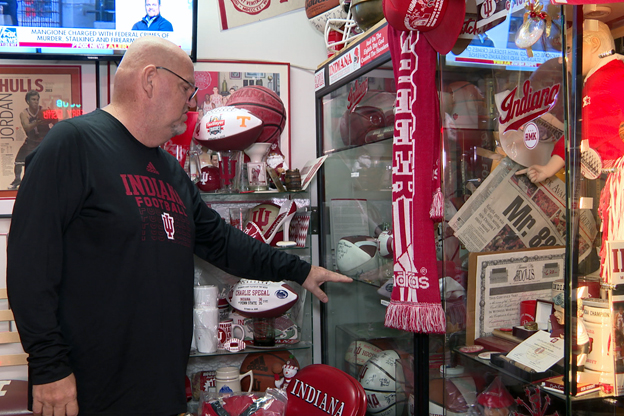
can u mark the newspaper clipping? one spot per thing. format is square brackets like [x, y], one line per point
[508, 212]
[30, 104]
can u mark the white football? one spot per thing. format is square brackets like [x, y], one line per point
[228, 128]
[258, 299]
[356, 255]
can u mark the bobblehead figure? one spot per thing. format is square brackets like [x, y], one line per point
[602, 114]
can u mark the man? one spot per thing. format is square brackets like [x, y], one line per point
[153, 20]
[100, 254]
[35, 126]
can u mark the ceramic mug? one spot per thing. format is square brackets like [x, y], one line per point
[226, 331]
[228, 380]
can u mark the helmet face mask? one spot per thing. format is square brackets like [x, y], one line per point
[345, 28]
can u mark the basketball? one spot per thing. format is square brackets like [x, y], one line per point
[265, 366]
[264, 104]
[316, 7]
[384, 384]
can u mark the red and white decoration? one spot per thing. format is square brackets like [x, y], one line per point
[415, 302]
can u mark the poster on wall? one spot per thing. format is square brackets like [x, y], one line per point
[241, 12]
[32, 100]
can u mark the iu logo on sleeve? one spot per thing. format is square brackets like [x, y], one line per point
[168, 225]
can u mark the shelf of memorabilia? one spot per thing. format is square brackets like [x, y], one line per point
[355, 100]
[521, 245]
[293, 330]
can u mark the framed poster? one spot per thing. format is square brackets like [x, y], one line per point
[32, 99]
[499, 281]
[216, 82]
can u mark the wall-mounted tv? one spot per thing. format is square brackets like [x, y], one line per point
[496, 48]
[92, 29]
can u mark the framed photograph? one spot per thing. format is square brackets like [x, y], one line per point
[499, 281]
[29, 93]
[216, 80]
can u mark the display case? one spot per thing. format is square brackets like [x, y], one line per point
[530, 178]
[355, 98]
[531, 317]
[293, 330]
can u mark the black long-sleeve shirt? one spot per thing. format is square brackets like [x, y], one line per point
[100, 266]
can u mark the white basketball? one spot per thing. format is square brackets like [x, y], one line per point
[356, 255]
[359, 352]
[382, 377]
[319, 21]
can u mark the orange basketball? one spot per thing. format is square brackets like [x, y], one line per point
[264, 366]
[264, 104]
[316, 7]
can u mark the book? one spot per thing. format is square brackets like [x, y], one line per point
[556, 384]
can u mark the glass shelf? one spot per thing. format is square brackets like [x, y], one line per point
[252, 196]
[302, 345]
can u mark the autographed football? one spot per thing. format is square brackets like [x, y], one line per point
[258, 299]
[228, 128]
[356, 255]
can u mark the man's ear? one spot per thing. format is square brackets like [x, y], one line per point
[147, 80]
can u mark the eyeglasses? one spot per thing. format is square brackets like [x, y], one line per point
[195, 89]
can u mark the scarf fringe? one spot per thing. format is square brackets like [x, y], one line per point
[436, 213]
[416, 317]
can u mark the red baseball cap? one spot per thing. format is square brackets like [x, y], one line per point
[440, 21]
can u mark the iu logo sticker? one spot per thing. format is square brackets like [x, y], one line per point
[168, 225]
[488, 8]
[261, 217]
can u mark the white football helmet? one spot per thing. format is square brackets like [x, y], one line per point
[339, 31]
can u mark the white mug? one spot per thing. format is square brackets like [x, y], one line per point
[226, 331]
[228, 380]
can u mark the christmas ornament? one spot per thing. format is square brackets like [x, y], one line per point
[536, 23]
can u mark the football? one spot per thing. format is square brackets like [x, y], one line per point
[258, 299]
[356, 255]
[382, 379]
[228, 128]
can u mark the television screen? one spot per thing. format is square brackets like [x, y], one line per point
[496, 48]
[92, 29]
